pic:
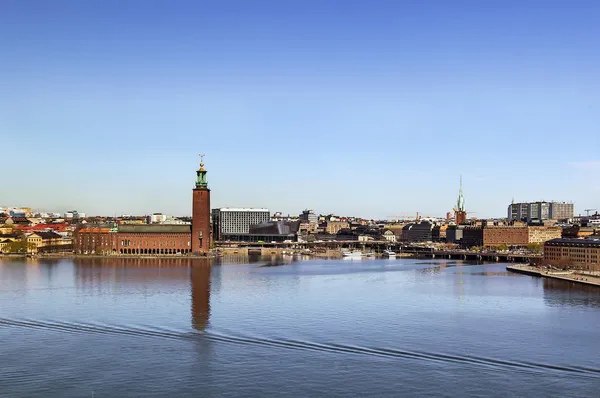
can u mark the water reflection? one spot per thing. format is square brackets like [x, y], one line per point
[200, 281]
[114, 276]
[564, 293]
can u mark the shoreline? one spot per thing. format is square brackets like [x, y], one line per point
[568, 276]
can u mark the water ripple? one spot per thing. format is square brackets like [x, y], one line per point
[219, 337]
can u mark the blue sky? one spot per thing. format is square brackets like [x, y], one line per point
[368, 108]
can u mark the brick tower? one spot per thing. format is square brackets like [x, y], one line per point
[201, 213]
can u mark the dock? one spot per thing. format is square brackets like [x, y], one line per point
[577, 276]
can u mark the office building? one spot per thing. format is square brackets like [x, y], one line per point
[231, 223]
[540, 211]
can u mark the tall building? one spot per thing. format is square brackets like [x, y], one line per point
[460, 214]
[231, 223]
[201, 213]
[561, 210]
[309, 216]
[540, 211]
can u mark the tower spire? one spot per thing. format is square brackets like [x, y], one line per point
[460, 203]
[201, 174]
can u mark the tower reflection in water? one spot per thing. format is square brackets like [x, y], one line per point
[116, 276]
[200, 274]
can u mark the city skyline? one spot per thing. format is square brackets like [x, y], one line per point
[370, 110]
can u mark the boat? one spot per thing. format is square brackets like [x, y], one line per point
[352, 254]
[370, 254]
[389, 254]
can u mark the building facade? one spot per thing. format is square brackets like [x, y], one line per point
[201, 231]
[48, 242]
[505, 235]
[333, 227]
[491, 236]
[232, 222]
[134, 239]
[154, 239]
[417, 232]
[540, 211]
[543, 234]
[573, 253]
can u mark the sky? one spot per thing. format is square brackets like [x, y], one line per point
[370, 108]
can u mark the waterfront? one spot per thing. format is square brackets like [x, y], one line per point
[250, 327]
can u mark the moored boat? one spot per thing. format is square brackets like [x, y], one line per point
[352, 254]
[389, 254]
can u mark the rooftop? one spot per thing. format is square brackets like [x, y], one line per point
[156, 228]
[48, 235]
[574, 242]
[241, 209]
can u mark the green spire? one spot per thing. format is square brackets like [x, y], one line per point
[201, 175]
[460, 203]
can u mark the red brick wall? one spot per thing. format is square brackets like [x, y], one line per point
[511, 236]
[152, 243]
[201, 220]
[93, 240]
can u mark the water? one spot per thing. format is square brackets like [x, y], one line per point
[322, 328]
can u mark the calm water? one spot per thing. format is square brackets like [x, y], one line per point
[106, 328]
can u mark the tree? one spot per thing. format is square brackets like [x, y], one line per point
[19, 246]
[535, 247]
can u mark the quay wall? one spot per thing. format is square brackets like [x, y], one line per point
[569, 276]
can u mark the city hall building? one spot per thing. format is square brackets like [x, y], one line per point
[153, 239]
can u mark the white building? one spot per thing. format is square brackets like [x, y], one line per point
[158, 218]
[74, 214]
[389, 236]
[236, 221]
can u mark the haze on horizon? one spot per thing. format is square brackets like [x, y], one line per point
[365, 108]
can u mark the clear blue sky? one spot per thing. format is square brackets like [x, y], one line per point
[367, 108]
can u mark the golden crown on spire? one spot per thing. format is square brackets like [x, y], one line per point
[201, 161]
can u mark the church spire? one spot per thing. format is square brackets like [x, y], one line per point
[460, 203]
[201, 175]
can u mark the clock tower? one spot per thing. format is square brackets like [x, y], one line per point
[201, 213]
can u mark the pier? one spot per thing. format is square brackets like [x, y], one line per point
[583, 277]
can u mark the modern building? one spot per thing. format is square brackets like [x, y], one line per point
[272, 231]
[454, 233]
[230, 223]
[540, 211]
[573, 253]
[417, 232]
[309, 216]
